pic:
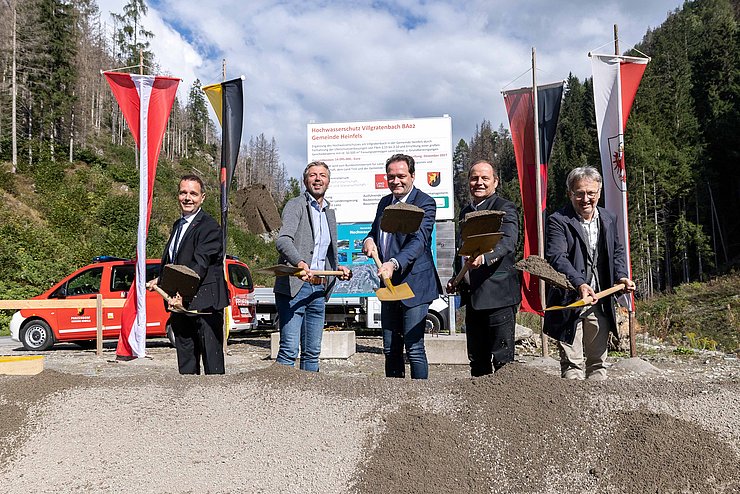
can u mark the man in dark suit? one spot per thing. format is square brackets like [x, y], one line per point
[406, 258]
[492, 293]
[583, 244]
[196, 242]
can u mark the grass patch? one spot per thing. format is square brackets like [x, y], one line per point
[702, 316]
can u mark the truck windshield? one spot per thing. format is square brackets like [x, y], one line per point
[85, 283]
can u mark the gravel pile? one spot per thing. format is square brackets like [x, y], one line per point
[267, 428]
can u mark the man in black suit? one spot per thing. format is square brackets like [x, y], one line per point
[196, 242]
[583, 244]
[492, 293]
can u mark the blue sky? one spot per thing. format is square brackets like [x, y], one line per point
[339, 61]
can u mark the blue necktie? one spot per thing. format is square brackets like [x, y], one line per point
[176, 240]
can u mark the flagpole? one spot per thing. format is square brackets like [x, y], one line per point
[631, 317]
[538, 192]
[225, 328]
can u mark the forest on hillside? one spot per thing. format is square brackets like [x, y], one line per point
[69, 184]
[680, 148]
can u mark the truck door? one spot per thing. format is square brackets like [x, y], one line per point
[121, 280]
[80, 323]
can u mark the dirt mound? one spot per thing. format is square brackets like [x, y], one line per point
[524, 431]
[258, 209]
[346, 429]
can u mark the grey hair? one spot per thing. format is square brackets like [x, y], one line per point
[315, 163]
[582, 173]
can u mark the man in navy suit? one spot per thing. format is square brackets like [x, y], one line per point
[196, 243]
[583, 244]
[406, 258]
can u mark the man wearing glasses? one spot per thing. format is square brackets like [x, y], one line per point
[583, 243]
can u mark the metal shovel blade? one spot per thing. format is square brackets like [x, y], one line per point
[177, 278]
[391, 293]
[401, 218]
[476, 245]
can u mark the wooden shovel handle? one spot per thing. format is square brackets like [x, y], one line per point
[461, 274]
[374, 253]
[321, 273]
[616, 288]
[464, 270]
[164, 294]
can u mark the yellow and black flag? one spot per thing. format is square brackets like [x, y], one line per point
[227, 99]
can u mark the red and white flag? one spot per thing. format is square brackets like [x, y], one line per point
[146, 102]
[615, 79]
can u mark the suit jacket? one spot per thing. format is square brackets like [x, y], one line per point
[567, 251]
[201, 249]
[494, 284]
[412, 251]
[296, 240]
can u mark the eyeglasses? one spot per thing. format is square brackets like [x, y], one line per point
[580, 194]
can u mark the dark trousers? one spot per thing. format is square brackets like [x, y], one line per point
[199, 337]
[490, 338]
[403, 327]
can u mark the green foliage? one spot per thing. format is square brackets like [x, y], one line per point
[294, 190]
[682, 350]
[197, 111]
[130, 36]
[255, 252]
[699, 315]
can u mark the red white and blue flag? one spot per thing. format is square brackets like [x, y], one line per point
[146, 102]
[520, 109]
[615, 79]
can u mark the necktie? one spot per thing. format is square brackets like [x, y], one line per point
[386, 238]
[176, 240]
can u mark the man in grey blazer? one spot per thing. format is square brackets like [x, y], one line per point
[308, 240]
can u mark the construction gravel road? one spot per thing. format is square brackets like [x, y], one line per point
[662, 424]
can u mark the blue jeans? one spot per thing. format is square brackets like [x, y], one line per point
[404, 327]
[301, 320]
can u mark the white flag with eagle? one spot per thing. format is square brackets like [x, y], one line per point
[615, 80]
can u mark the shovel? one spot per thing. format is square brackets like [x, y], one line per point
[174, 308]
[475, 245]
[391, 293]
[401, 218]
[581, 303]
[285, 270]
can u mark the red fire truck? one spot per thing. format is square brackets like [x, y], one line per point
[39, 329]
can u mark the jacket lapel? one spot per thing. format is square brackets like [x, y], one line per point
[189, 232]
[575, 225]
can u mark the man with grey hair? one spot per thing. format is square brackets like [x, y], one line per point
[308, 240]
[582, 242]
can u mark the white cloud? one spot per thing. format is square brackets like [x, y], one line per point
[348, 60]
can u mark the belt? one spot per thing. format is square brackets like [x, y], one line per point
[317, 280]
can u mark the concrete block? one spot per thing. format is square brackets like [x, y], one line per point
[21, 366]
[446, 349]
[334, 344]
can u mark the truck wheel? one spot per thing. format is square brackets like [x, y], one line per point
[170, 335]
[37, 335]
[433, 324]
